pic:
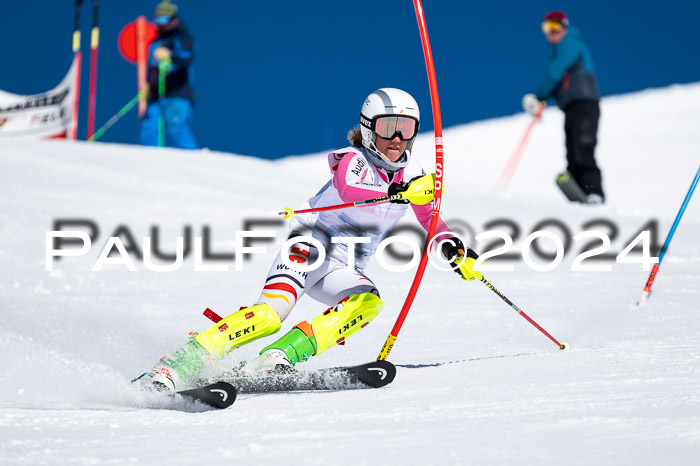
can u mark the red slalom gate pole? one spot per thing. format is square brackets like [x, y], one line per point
[94, 45]
[514, 160]
[77, 58]
[435, 214]
[141, 62]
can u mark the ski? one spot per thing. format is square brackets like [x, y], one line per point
[374, 374]
[570, 188]
[219, 395]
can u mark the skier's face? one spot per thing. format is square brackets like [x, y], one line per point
[392, 148]
[556, 37]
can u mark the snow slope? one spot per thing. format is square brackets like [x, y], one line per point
[476, 383]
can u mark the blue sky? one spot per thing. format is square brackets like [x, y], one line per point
[279, 78]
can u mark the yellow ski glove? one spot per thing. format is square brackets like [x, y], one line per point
[461, 258]
[419, 190]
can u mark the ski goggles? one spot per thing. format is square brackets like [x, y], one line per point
[162, 20]
[549, 27]
[389, 126]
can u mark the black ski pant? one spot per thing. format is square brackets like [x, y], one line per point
[581, 128]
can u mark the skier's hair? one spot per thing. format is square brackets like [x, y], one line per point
[355, 137]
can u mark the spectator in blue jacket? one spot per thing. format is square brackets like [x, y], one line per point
[174, 50]
[571, 81]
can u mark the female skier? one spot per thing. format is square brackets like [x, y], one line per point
[378, 164]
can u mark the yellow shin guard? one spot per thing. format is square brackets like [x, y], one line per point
[238, 329]
[348, 317]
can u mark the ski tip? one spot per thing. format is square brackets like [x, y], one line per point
[219, 395]
[563, 177]
[225, 392]
[377, 374]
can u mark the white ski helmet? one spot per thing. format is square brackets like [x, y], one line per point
[404, 119]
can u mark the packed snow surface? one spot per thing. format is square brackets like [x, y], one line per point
[476, 383]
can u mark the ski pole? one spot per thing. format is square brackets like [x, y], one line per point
[655, 268]
[562, 346]
[421, 191]
[288, 212]
[124, 110]
[512, 164]
[162, 71]
[439, 171]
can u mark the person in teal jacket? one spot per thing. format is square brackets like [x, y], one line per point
[571, 81]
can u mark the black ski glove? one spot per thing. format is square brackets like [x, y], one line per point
[396, 188]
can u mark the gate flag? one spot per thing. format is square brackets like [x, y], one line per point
[39, 116]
